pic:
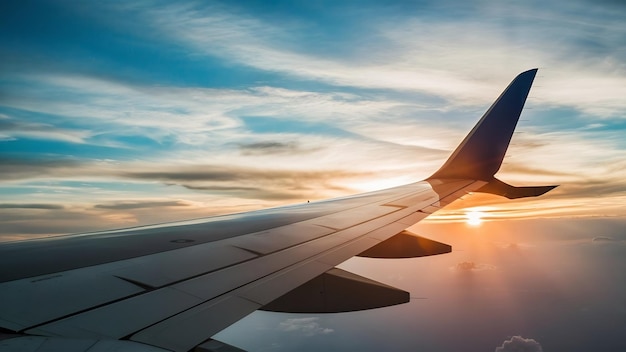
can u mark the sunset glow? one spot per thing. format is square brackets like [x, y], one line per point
[193, 109]
[474, 218]
[116, 114]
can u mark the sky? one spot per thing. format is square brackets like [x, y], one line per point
[540, 284]
[116, 114]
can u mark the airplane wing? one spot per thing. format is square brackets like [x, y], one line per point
[170, 287]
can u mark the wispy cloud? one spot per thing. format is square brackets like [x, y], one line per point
[11, 129]
[259, 148]
[308, 326]
[422, 55]
[125, 205]
[208, 114]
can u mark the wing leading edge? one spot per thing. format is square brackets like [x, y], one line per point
[173, 286]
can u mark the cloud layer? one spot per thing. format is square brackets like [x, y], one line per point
[192, 102]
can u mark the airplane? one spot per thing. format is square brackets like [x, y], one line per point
[172, 286]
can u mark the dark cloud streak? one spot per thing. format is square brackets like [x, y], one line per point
[265, 148]
[140, 204]
[251, 183]
[249, 192]
[31, 206]
[15, 168]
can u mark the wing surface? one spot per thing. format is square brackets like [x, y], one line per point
[172, 286]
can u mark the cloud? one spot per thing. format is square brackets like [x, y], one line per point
[125, 205]
[395, 58]
[263, 148]
[472, 267]
[30, 206]
[305, 326]
[249, 192]
[251, 183]
[224, 180]
[592, 188]
[519, 344]
[15, 168]
[11, 129]
[213, 121]
[183, 116]
[292, 179]
[513, 246]
[80, 215]
[603, 239]
[23, 223]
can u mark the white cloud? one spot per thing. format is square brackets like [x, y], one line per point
[519, 344]
[194, 115]
[424, 55]
[207, 124]
[306, 326]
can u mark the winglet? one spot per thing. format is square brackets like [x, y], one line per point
[480, 154]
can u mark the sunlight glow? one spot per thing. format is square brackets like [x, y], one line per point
[474, 218]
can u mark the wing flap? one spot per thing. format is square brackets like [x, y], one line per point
[406, 245]
[338, 291]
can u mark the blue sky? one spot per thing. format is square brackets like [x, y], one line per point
[115, 114]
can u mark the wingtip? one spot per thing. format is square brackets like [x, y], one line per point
[531, 71]
[480, 154]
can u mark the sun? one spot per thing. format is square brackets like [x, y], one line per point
[474, 218]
